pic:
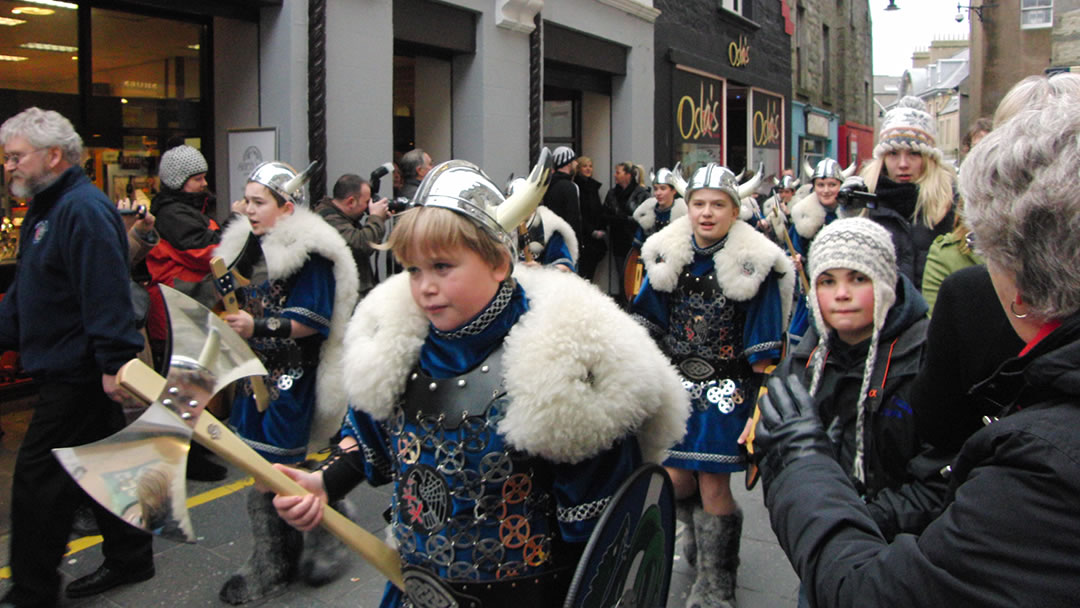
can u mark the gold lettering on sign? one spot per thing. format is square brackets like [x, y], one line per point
[704, 116]
[739, 52]
[767, 125]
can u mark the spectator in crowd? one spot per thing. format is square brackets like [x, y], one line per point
[593, 230]
[414, 165]
[562, 196]
[914, 188]
[345, 211]
[1019, 188]
[68, 313]
[619, 206]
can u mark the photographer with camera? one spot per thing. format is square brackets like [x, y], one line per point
[345, 210]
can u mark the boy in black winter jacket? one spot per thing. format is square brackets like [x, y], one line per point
[862, 353]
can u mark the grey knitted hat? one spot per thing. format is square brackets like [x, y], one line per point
[180, 163]
[863, 245]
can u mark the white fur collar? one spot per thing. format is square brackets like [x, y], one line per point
[645, 214]
[286, 249]
[742, 264]
[552, 224]
[581, 374]
[776, 216]
[748, 207]
[808, 215]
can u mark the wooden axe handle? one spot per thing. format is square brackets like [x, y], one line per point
[143, 382]
[258, 386]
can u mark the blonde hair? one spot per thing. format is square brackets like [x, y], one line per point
[935, 187]
[430, 231]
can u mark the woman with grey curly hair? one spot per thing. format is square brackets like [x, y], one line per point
[1008, 534]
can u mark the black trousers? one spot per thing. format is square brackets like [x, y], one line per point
[44, 496]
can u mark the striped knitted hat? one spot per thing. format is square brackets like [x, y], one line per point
[908, 126]
[863, 245]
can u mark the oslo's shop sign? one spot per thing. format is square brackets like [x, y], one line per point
[766, 129]
[699, 118]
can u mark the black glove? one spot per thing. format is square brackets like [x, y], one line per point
[790, 428]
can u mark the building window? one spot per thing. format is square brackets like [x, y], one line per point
[800, 41]
[826, 52]
[1036, 14]
[735, 6]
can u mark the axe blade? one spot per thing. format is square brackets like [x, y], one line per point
[140, 472]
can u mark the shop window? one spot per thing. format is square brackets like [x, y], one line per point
[562, 118]
[1036, 14]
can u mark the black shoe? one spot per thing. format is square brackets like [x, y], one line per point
[105, 578]
[201, 468]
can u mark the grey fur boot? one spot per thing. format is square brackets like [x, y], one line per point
[325, 557]
[718, 538]
[684, 512]
[274, 554]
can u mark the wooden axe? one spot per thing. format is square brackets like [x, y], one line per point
[139, 472]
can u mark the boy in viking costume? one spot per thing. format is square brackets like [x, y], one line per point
[777, 208]
[666, 204]
[295, 322]
[507, 408]
[716, 298]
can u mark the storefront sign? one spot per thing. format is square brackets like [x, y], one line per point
[816, 124]
[699, 127]
[739, 52]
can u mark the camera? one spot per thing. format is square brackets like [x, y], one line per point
[377, 175]
[139, 211]
[399, 204]
[856, 197]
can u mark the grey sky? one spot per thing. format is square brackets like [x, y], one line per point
[898, 33]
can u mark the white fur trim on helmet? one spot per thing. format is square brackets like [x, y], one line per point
[577, 382]
[742, 264]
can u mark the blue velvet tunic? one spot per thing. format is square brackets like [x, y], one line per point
[713, 340]
[280, 434]
[467, 506]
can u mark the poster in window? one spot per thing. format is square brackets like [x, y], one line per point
[248, 148]
[699, 118]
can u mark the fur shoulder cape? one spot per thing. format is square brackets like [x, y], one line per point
[808, 215]
[580, 373]
[645, 214]
[748, 207]
[287, 247]
[552, 224]
[742, 264]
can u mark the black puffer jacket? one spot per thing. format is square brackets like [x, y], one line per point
[1010, 534]
[895, 208]
[890, 440]
[562, 197]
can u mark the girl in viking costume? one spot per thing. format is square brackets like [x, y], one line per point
[716, 298]
[546, 239]
[505, 407]
[294, 322]
[666, 204]
[808, 215]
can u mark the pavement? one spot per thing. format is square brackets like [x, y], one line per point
[192, 574]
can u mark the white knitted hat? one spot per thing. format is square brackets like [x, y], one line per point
[863, 245]
[180, 163]
[908, 126]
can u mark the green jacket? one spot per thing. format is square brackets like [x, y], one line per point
[945, 257]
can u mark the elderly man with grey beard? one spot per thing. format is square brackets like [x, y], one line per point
[69, 314]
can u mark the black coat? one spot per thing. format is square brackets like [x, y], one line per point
[895, 209]
[592, 207]
[562, 198]
[1009, 535]
[619, 206]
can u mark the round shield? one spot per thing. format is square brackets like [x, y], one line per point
[627, 561]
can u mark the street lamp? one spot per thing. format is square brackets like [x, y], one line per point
[977, 9]
[892, 6]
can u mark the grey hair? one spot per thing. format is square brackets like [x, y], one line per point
[1019, 186]
[44, 129]
[410, 162]
[1033, 91]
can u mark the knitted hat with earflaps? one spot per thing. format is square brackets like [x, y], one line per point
[863, 245]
